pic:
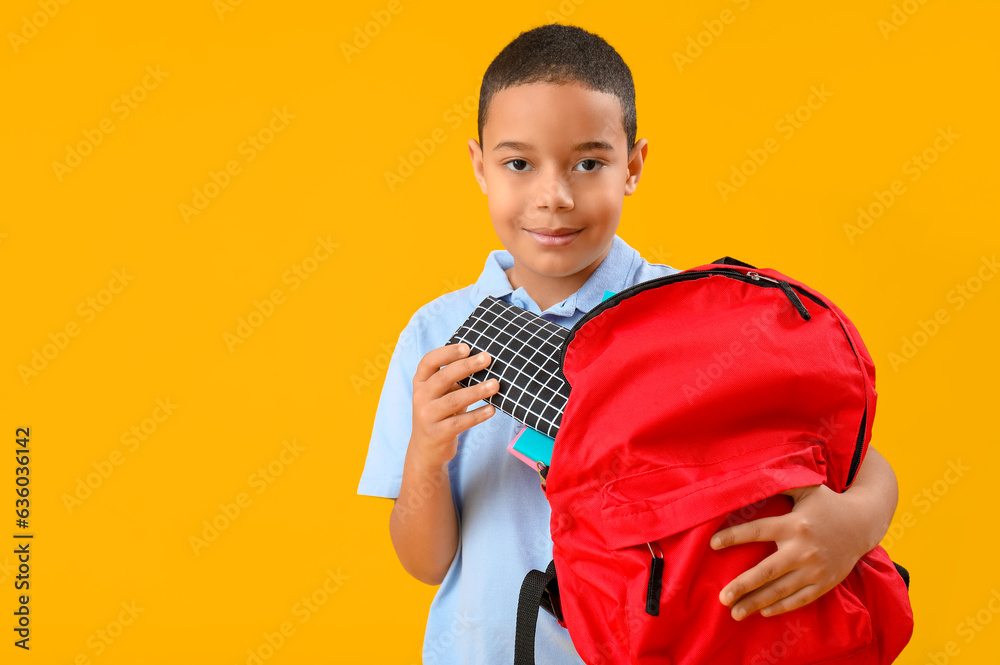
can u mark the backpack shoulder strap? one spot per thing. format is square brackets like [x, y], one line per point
[537, 590]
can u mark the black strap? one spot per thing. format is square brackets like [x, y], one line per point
[537, 590]
[730, 261]
[904, 573]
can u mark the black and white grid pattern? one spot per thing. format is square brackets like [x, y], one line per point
[523, 347]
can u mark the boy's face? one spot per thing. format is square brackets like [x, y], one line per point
[555, 169]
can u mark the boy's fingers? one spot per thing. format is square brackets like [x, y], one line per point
[768, 594]
[786, 593]
[455, 402]
[776, 591]
[459, 369]
[434, 359]
[771, 568]
[456, 424]
[763, 530]
[800, 598]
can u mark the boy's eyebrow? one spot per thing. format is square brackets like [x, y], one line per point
[580, 147]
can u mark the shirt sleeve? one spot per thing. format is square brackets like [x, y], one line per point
[383, 472]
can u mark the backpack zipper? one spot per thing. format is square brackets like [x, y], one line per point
[757, 279]
[654, 585]
[789, 290]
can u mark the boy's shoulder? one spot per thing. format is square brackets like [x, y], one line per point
[447, 312]
[447, 306]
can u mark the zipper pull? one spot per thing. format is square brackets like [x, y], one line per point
[543, 471]
[789, 292]
[757, 277]
[655, 583]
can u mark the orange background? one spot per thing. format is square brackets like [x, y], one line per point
[267, 316]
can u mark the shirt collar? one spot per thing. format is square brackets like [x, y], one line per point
[612, 275]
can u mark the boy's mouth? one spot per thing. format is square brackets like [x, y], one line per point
[553, 237]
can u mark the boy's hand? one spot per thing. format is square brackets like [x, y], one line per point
[439, 403]
[819, 542]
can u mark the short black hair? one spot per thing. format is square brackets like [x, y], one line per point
[557, 53]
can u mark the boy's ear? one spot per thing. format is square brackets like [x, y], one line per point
[476, 154]
[635, 163]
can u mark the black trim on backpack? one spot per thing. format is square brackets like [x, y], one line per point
[859, 446]
[730, 261]
[684, 276]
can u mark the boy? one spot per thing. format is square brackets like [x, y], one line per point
[556, 154]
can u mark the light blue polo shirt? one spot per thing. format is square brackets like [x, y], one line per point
[502, 513]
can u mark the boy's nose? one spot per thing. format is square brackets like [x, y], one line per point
[553, 193]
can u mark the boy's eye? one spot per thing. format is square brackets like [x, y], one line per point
[520, 164]
[593, 163]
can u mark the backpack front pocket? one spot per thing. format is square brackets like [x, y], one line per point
[658, 525]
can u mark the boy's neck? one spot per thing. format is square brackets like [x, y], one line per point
[548, 291]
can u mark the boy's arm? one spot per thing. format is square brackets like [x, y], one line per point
[423, 525]
[819, 541]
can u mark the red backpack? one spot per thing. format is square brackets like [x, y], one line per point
[695, 400]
